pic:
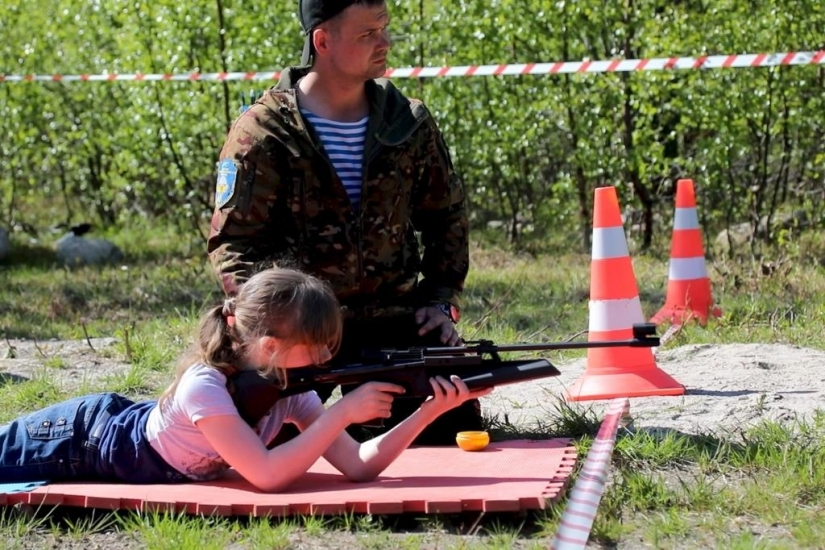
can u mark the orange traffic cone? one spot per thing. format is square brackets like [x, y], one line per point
[688, 285]
[614, 309]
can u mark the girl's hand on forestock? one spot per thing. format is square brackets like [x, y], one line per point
[449, 394]
[369, 401]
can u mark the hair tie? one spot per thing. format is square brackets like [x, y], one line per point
[228, 311]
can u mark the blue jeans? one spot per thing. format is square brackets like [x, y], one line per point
[99, 437]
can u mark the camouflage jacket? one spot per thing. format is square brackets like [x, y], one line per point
[287, 205]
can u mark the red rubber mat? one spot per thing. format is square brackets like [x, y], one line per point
[506, 476]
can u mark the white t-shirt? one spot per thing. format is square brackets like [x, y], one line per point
[202, 393]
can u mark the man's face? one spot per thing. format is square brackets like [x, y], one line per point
[359, 42]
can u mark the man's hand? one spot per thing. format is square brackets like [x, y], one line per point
[431, 318]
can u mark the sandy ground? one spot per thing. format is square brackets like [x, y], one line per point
[728, 388]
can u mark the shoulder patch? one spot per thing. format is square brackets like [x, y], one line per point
[225, 187]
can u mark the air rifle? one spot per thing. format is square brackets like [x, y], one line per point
[477, 363]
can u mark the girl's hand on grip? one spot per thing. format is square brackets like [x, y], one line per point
[368, 402]
[450, 394]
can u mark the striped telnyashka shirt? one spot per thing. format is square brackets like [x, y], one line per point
[344, 144]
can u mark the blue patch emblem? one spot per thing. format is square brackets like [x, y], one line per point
[227, 176]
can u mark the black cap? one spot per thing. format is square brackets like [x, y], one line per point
[315, 12]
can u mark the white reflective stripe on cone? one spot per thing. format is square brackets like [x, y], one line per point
[687, 269]
[686, 218]
[615, 314]
[609, 242]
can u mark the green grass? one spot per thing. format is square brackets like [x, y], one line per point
[164, 277]
[760, 488]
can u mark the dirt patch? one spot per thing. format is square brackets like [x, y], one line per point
[72, 364]
[728, 387]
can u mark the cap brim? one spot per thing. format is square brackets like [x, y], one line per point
[306, 56]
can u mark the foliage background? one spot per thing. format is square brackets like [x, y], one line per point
[530, 149]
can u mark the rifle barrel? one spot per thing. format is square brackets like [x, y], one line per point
[483, 348]
[643, 337]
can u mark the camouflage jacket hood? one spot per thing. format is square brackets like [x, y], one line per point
[393, 117]
[288, 206]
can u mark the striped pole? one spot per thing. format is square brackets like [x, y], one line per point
[577, 519]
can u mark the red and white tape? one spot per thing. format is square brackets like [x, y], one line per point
[578, 517]
[513, 69]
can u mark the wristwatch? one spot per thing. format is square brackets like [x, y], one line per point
[450, 311]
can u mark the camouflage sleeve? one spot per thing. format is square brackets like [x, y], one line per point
[246, 230]
[440, 215]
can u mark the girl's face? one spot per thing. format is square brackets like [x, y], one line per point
[299, 355]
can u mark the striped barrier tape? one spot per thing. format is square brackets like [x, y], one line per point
[513, 69]
[577, 519]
